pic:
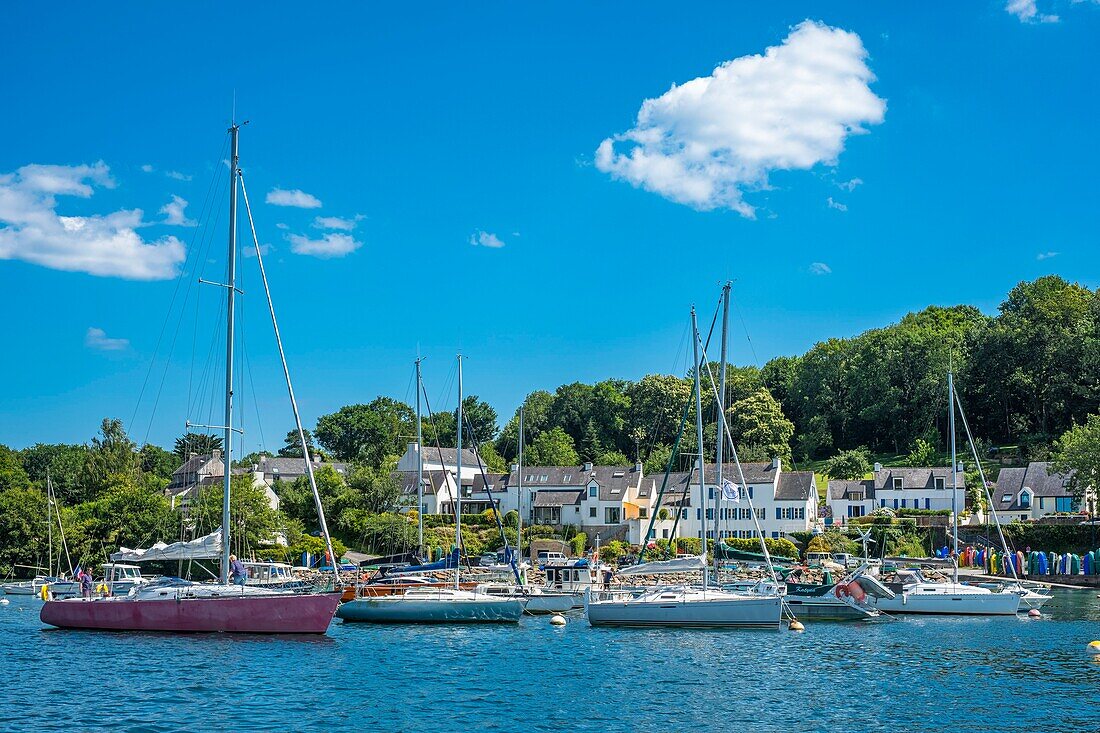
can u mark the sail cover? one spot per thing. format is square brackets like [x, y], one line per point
[691, 564]
[208, 547]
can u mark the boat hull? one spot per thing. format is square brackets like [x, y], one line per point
[748, 613]
[952, 604]
[544, 603]
[401, 610]
[19, 589]
[825, 610]
[254, 614]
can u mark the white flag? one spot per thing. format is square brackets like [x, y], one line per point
[731, 491]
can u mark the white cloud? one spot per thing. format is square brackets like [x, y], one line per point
[486, 239]
[850, 186]
[820, 268]
[250, 251]
[335, 222]
[280, 225]
[295, 197]
[836, 205]
[176, 175]
[1028, 12]
[328, 246]
[1046, 255]
[174, 213]
[708, 141]
[32, 230]
[147, 168]
[96, 338]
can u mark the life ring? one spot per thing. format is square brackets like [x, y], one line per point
[852, 590]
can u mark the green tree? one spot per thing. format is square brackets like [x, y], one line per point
[62, 461]
[12, 475]
[1077, 452]
[367, 433]
[158, 462]
[611, 458]
[480, 417]
[571, 409]
[923, 453]
[199, 444]
[492, 460]
[536, 410]
[126, 513]
[757, 420]
[22, 523]
[253, 521]
[657, 461]
[379, 489]
[849, 464]
[112, 452]
[292, 444]
[656, 403]
[778, 376]
[552, 448]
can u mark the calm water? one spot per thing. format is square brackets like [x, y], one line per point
[999, 674]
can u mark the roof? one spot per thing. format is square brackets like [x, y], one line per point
[844, 489]
[911, 478]
[285, 466]
[795, 486]
[612, 480]
[433, 481]
[446, 456]
[1037, 477]
[548, 498]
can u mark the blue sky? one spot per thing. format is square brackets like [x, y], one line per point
[429, 131]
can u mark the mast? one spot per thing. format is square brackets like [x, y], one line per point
[954, 472]
[458, 478]
[419, 466]
[699, 435]
[49, 524]
[231, 292]
[721, 406]
[519, 487]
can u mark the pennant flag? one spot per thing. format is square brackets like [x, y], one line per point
[731, 491]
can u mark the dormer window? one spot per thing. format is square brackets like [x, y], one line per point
[1025, 499]
[566, 477]
[593, 491]
[940, 483]
[898, 484]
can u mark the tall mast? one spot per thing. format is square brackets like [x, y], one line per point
[231, 292]
[519, 487]
[458, 477]
[954, 472]
[699, 436]
[721, 405]
[49, 524]
[419, 466]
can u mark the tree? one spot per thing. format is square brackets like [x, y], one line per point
[657, 461]
[12, 475]
[609, 408]
[778, 376]
[552, 448]
[125, 513]
[1077, 453]
[253, 521]
[292, 444]
[492, 460]
[758, 420]
[849, 464]
[536, 408]
[112, 452]
[379, 489]
[63, 462]
[199, 444]
[923, 453]
[656, 404]
[611, 458]
[480, 417]
[156, 461]
[571, 409]
[367, 433]
[22, 524]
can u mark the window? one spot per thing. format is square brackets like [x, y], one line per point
[611, 515]
[683, 514]
[1042, 502]
[566, 477]
[895, 503]
[882, 503]
[1006, 498]
[750, 493]
[927, 503]
[593, 491]
[940, 483]
[643, 512]
[699, 513]
[710, 492]
[897, 484]
[800, 512]
[759, 514]
[855, 510]
[653, 534]
[1064, 504]
[903, 503]
[664, 533]
[1025, 500]
[710, 514]
[775, 535]
[592, 512]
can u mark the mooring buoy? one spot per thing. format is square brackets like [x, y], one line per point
[796, 625]
[1034, 613]
[557, 620]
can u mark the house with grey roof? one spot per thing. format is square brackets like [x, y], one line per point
[595, 499]
[1037, 491]
[439, 459]
[208, 470]
[895, 488]
[281, 468]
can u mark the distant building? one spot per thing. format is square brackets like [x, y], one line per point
[595, 499]
[280, 468]
[439, 459]
[1035, 491]
[895, 488]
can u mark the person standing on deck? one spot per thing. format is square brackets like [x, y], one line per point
[237, 571]
[85, 584]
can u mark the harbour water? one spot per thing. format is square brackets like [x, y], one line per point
[957, 674]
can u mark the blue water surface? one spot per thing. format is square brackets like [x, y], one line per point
[913, 674]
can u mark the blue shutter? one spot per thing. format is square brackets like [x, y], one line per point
[927, 503]
[778, 514]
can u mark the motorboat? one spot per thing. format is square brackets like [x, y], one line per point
[683, 606]
[31, 587]
[426, 605]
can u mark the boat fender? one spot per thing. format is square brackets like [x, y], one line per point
[1093, 647]
[45, 592]
[1034, 613]
[852, 590]
[101, 589]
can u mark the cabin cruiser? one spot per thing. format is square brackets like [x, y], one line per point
[1030, 596]
[573, 577]
[916, 594]
[683, 606]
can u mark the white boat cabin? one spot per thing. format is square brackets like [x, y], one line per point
[269, 573]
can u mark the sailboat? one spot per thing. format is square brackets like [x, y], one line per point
[688, 605]
[432, 605]
[172, 604]
[919, 595]
[34, 586]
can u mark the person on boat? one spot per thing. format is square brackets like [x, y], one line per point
[85, 584]
[237, 571]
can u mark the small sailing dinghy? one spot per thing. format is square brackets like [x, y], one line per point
[433, 605]
[172, 604]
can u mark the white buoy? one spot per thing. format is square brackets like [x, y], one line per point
[4, 601]
[1034, 613]
[1093, 647]
[796, 625]
[557, 620]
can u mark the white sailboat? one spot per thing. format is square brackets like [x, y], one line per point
[34, 586]
[920, 595]
[687, 605]
[420, 605]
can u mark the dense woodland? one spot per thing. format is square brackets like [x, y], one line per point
[1027, 377]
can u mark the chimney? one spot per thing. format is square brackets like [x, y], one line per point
[515, 467]
[637, 466]
[414, 447]
[215, 455]
[878, 466]
[588, 465]
[776, 463]
[315, 458]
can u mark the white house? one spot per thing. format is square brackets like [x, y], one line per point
[439, 459]
[595, 499]
[783, 501]
[479, 490]
[895, 488]
[201, 471]
[1034, 492]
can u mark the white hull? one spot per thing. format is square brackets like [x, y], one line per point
[680, 607]
[951, 599]
[20, 589]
